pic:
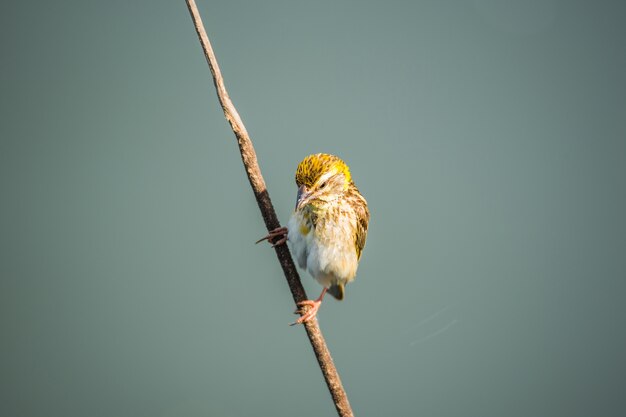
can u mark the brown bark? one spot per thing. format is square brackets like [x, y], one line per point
[248, 156]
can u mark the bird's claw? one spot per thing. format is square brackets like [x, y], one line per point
[278, 232]
[308, 314]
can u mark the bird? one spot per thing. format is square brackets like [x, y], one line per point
[327, 229]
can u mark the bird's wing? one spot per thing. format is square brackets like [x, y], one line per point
[362, 220]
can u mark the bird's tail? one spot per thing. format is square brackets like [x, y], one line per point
[336, 290]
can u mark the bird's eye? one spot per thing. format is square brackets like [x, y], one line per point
[322, 185]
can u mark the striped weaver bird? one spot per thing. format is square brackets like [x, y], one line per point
[328, 227]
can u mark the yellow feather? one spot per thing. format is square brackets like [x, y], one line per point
[304, 229]
[314, 166]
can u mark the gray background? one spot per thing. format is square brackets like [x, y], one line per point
[489, 138]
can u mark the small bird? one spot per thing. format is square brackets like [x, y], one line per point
[328, 227]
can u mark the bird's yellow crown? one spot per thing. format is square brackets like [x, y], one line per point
[314, 166]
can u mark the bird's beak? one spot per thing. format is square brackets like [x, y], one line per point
[303, 194]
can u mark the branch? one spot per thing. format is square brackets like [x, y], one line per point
[248, 156]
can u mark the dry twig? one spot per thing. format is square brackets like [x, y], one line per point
[251, 165]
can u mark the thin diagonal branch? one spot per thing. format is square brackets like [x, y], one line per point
[248, 156]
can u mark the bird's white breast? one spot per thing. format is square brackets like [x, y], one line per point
[328, 252]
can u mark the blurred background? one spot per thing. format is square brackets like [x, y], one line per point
[489, 138]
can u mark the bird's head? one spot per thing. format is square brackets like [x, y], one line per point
[321, 177]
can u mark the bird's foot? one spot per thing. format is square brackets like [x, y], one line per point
[280, 232]
[310, 313]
